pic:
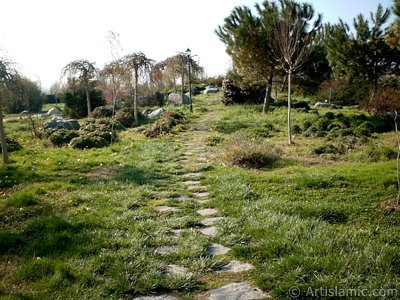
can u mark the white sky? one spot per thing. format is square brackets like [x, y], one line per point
[42, 36]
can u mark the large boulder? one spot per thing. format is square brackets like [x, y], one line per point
[210, 89]
[322, 105]
[156, 113]
[53, 111]
[60, 123]
[176, 99]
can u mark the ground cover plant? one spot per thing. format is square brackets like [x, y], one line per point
[79, 223]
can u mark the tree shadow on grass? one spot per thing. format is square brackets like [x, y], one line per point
[47, 236]
[133, 174]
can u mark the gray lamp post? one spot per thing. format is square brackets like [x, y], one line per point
[188, 54]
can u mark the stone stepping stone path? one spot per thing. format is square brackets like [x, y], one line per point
[163, 208]
[207, 211]
[166, 250]
[195, 156]
[210, 231]
[175, 270]
[236, 266]
[200, 195]
[237, 291]
[217, 249]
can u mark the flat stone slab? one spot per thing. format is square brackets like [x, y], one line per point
[207, 211]
[217, 249]
[237, 291]
[210, 231]
[236, 266]
[175, 270]
[191, 175]
[195, 183]
[162, 208]
[166, 250]
[200, 195]
[211, 221]
[159, 297]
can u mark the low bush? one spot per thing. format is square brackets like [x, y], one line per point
[164, 124]
[245, 152]
[88, 141]
[62, 137]
[124, 117]
[102, 112]
[214, 140]
[12, 145]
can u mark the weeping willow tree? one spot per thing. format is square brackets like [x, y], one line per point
[136, 64]
[85, 71]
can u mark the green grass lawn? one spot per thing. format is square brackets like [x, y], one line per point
[81, 224]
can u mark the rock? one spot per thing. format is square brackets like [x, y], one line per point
[322, 105]
[207, 211]
[210, 231]
[236, 266]
[176, 99]
[146, 112]
[237, 291]
[210, 89]
[175, 270]
[217, 249]
[53, 111]
[60, 123]
[166, 250]
[156, 113]
[163, 208]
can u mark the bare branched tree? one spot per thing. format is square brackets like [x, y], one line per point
[137, 64]
[85, 71]
[293, 43]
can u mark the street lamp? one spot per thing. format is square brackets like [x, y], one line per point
[188, 54]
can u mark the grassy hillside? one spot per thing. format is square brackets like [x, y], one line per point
[317, 214]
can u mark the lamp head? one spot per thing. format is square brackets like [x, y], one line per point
[188, 52]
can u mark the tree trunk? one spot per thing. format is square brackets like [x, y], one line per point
[289, 106]
[89, 107]
[174, 85]
[398, 157]
[135, 99]
[3, 136]
[268, 91]
[182, 90]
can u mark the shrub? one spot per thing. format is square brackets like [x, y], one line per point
[296, 129]
[234, 94]
[102, 112]
[363, 130]
[88, 141]
[307, 124]
[326, 149]
[62, 137]
[164, 124]
[251, 153]
[214, 140]
[125, 117]
[12, 145]
[257, 132]
[330, 115]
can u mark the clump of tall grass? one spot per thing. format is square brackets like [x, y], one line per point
[253, 153]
